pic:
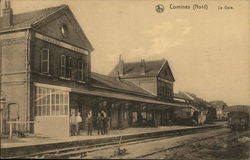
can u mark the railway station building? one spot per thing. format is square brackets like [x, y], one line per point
[46, 74]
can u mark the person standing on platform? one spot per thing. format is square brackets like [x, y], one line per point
[90, 122]
[104, 121]
[78, 121]
[99, 123]
[72, 121]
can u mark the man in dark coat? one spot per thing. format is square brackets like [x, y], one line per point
[105, 122]
[90, 122]
[99, 124]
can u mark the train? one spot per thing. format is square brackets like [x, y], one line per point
[238, 117]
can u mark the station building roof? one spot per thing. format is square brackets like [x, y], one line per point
[35, 18]
[134, 69]
[26, 19]
[101, 80]
[123, 89]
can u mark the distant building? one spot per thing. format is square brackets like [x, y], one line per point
[155, 77]
[221, 109]
[238, 108]
[199, 108]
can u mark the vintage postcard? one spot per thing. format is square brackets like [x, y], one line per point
[125, 79]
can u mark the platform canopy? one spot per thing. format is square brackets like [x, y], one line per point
[124, 96]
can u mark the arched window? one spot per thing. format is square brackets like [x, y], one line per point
[45, 60]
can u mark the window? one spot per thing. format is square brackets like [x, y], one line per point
[164, 89]
[51, 102]
[80, 70]
[169, 90]
[63, 66]
[66, 66]
[69, 66]
[64, 30]
[45, 61]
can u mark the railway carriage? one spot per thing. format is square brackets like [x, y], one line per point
[238, 117]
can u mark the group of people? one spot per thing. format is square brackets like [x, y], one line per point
[101, 123]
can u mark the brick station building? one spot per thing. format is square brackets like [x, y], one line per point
[46, 74]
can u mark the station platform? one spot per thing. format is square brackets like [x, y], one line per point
[38, 143]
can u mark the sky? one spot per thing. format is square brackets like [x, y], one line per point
[208, 50]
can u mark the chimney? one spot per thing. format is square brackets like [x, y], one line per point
[121, 66]
[143, 66]
[7, 18]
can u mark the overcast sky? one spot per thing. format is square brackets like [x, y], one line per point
[208, 50]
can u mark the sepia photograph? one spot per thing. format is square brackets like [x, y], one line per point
[125, 79]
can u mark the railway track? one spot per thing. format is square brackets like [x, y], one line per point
[144, 156]
[83, 150]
